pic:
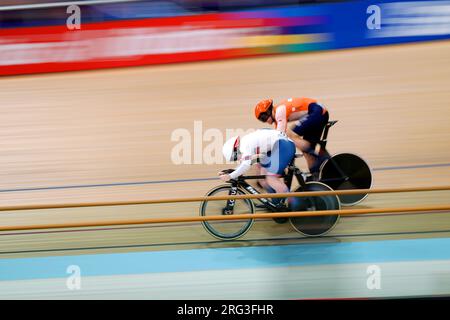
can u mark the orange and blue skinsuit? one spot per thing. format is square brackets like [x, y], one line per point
[310, 119]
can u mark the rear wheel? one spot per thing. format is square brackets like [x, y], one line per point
[315, 225]
[226, 229]
[347, 171]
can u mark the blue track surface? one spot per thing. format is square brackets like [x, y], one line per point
[227, 258]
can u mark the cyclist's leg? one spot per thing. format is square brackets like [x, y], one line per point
[306, 148]
[281, 156]
[260, 182]
[310, 128]
[296, 133]
[313, 137]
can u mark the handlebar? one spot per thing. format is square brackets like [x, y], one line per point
[227, 171]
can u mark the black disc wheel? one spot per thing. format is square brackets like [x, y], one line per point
[347, 171]
[315, 225]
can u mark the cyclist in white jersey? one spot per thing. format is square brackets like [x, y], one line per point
[274, 149]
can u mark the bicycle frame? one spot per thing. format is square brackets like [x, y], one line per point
[323, 150]
[288, 177]
[241, 182]
[323, 141]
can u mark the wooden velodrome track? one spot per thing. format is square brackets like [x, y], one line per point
[106, 135]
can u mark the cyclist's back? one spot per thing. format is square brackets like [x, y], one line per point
[260, 142]
[310, 116]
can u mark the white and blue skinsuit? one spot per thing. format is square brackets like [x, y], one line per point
[275, 148]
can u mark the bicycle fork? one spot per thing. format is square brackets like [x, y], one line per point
[228, 210]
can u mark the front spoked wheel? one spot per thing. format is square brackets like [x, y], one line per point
[226, 229]
[315, 225]
[347, 171]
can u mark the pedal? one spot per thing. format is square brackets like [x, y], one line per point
[312, 177]
[305, 175]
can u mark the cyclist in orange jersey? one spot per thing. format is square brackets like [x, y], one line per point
[310, 119]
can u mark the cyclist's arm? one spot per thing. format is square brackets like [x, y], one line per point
[280, 118]
[242, 168]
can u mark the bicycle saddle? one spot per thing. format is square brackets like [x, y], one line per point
[331, 123]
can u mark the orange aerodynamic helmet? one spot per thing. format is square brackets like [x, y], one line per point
[263, 110]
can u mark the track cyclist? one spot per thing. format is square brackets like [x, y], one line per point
[271, 150]
[310, 119]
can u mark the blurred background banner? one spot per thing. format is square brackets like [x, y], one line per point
[34, 36]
